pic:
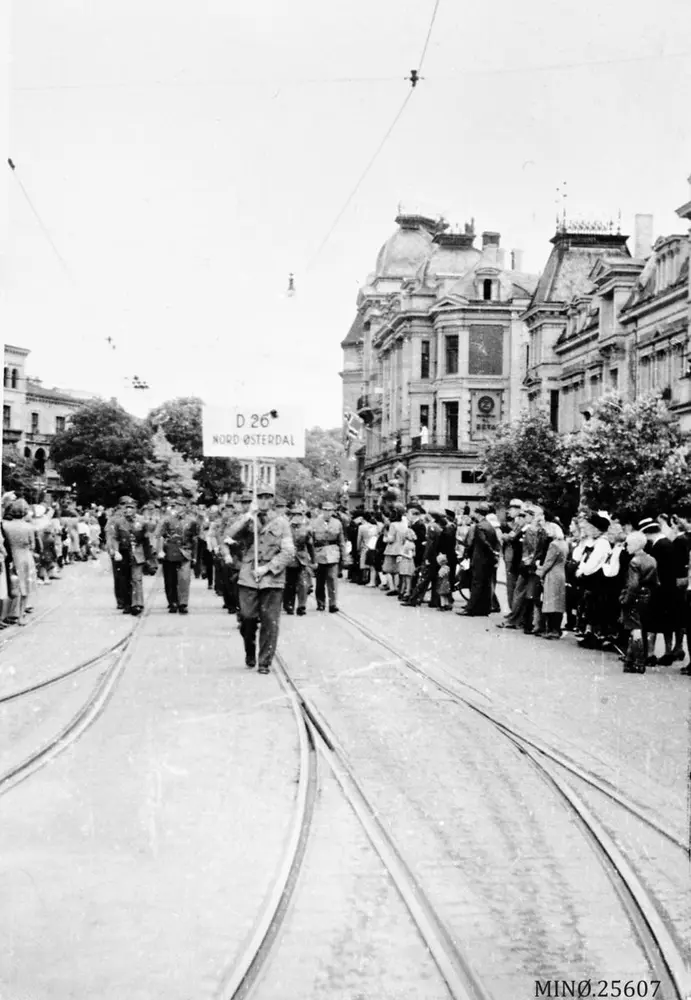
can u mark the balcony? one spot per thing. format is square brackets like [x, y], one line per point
[443, 442]
[11, 435]
[370, 402]
[37, 438]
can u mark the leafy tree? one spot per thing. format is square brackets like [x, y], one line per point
[318, 475]
[18, 474]
[181, 421]
[528, 459]
[217, 476]
[104, 452]
[620, 454]
[172, 475]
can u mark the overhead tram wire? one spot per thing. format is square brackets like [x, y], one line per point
[42, 225]
[429, 35]
[413, 79]
[359, 181]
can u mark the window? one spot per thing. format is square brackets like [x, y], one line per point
[14, 378]
[486, 350]
[424, 359]
[424, 415]
[614, 379]
[452, 354]
[34, 423]
[59, 424]
[6, 417]
[6, 377]
[451, 424]
[554, 409]
[487, 289]
[527, 357]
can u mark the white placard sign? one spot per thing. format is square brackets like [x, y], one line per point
[253, 432]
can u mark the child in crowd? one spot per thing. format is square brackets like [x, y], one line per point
[443, 584]
[406, 564]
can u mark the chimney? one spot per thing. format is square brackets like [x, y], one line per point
[516, 260]
[643, 245]
[501, 258]
[490, 239]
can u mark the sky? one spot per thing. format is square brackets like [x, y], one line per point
[185, 157]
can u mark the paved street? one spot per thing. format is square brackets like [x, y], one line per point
[135, 863]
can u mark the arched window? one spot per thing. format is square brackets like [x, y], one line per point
[40, 461]
[27, 453]
[487, 289]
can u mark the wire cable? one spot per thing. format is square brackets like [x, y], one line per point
[429, 35]
[43, 227]
[413, 78]
[359, 181]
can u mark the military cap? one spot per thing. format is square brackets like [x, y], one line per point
[482, 508]
[125, 500]
[516, 503]
[281, 502]
[451, 514]
[265, 490]
[328, 505]
[246, 498]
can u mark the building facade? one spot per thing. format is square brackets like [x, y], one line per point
[433, 360]
[602, 320]
[32, 414]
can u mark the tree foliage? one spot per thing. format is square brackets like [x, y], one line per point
[629, 455]
[104, 453]
[18, 475]
[318, 475]
[172, 475]
[181, 421]
[528, 459]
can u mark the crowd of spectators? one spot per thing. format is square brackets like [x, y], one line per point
[36, 544]
[617, 584]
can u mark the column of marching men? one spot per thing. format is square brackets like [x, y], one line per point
[617, 584]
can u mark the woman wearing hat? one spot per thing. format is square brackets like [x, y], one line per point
[590, 574]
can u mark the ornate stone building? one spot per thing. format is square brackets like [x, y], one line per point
[433, 359]
[601, 320]
[32, 414]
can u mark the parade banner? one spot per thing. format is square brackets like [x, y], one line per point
[251, 432]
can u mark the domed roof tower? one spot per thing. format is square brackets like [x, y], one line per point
[409, 247]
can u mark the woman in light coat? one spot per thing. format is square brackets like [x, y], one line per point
[552, 572]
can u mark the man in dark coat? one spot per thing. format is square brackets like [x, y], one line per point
[429, 567]
[483, 551]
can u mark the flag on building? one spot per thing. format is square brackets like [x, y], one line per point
[353, 427]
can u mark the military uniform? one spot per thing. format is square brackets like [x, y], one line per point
[298, 570]
[176, 539]
[330, 550]
[127, 536]
[260, 600]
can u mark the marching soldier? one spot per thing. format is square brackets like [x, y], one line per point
[129, 547]
[175, 541]
[261, 591]
[329, 543]
[298, 571]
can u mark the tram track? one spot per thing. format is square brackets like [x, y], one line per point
[662, 951]
[458, 689]
[315, 736]
[87, 713]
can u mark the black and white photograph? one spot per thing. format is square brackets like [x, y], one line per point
[359, 314]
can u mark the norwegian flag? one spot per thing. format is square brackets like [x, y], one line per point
[352, 429]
